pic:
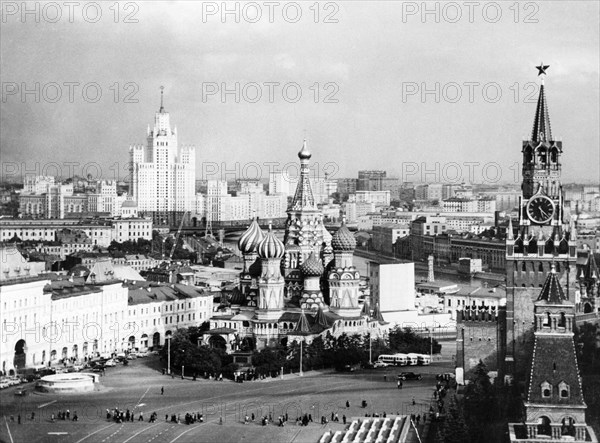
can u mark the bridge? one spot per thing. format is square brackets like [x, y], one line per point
[236, 226]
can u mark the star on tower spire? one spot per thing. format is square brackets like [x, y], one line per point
[542, 69]
[541, 125]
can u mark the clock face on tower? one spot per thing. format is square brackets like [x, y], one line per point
[540, 209]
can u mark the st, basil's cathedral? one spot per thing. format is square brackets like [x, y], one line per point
[298, 288]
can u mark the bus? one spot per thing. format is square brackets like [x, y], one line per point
[396, 359]
[423, 359]
[413, 359]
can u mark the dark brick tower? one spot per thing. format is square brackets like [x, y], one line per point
[542, 238]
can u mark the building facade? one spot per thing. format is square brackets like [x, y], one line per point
[163, 172]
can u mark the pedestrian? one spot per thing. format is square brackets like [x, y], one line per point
[220, 420]
[344, 418]
[347, 404]
[413, 401]
[162, 390]
[33, 415]
[19, 418]
[52, 417]
[141, 417]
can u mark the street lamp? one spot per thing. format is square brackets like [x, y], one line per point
[301, 374]
[168, 355]
[370, 341]
[182, 361]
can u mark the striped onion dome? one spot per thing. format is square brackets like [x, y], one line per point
[312, 267]
[270, 246]
[251, 238]
[343, 240]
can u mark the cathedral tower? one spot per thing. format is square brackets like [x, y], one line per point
[270, 282]
[248, 244]
[304, 229]
[344, 279]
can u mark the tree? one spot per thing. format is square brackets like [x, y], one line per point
[587, 337]
[405, 341]
[186, 352]
[268, 361]
[454, 429]
[480, 406]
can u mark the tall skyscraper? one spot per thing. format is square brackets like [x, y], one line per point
[162, 172]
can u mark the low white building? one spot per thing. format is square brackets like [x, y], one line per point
[158, 310]
[480, 297]
[47, 318]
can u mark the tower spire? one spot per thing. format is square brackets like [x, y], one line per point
[304, 198]
[162, 108]
[541, 125]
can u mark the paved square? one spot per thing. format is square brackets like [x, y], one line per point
[137, 387]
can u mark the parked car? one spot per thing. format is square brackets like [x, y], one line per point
[131, 357]
[446, 376]
[409, 376]
[21, 392]
[380, 364]
[142, 354]
[110, 363]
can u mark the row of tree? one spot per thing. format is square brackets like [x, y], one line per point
[322, 352]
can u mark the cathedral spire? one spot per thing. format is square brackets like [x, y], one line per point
[541, 125]
[304, 198]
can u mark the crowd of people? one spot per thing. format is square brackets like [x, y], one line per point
[62, 415]
[121, 416]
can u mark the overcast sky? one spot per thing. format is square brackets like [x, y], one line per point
[373, 58]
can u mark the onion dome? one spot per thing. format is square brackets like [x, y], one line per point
[304, 153]
[270, 246]
[251, 238]
[343, 240]
[312, 267]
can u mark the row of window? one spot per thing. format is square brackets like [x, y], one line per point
[563, 390]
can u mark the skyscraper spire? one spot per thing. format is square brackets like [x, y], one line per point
[541, 125]
[162, 108]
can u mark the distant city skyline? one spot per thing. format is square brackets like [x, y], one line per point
[378, 61]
